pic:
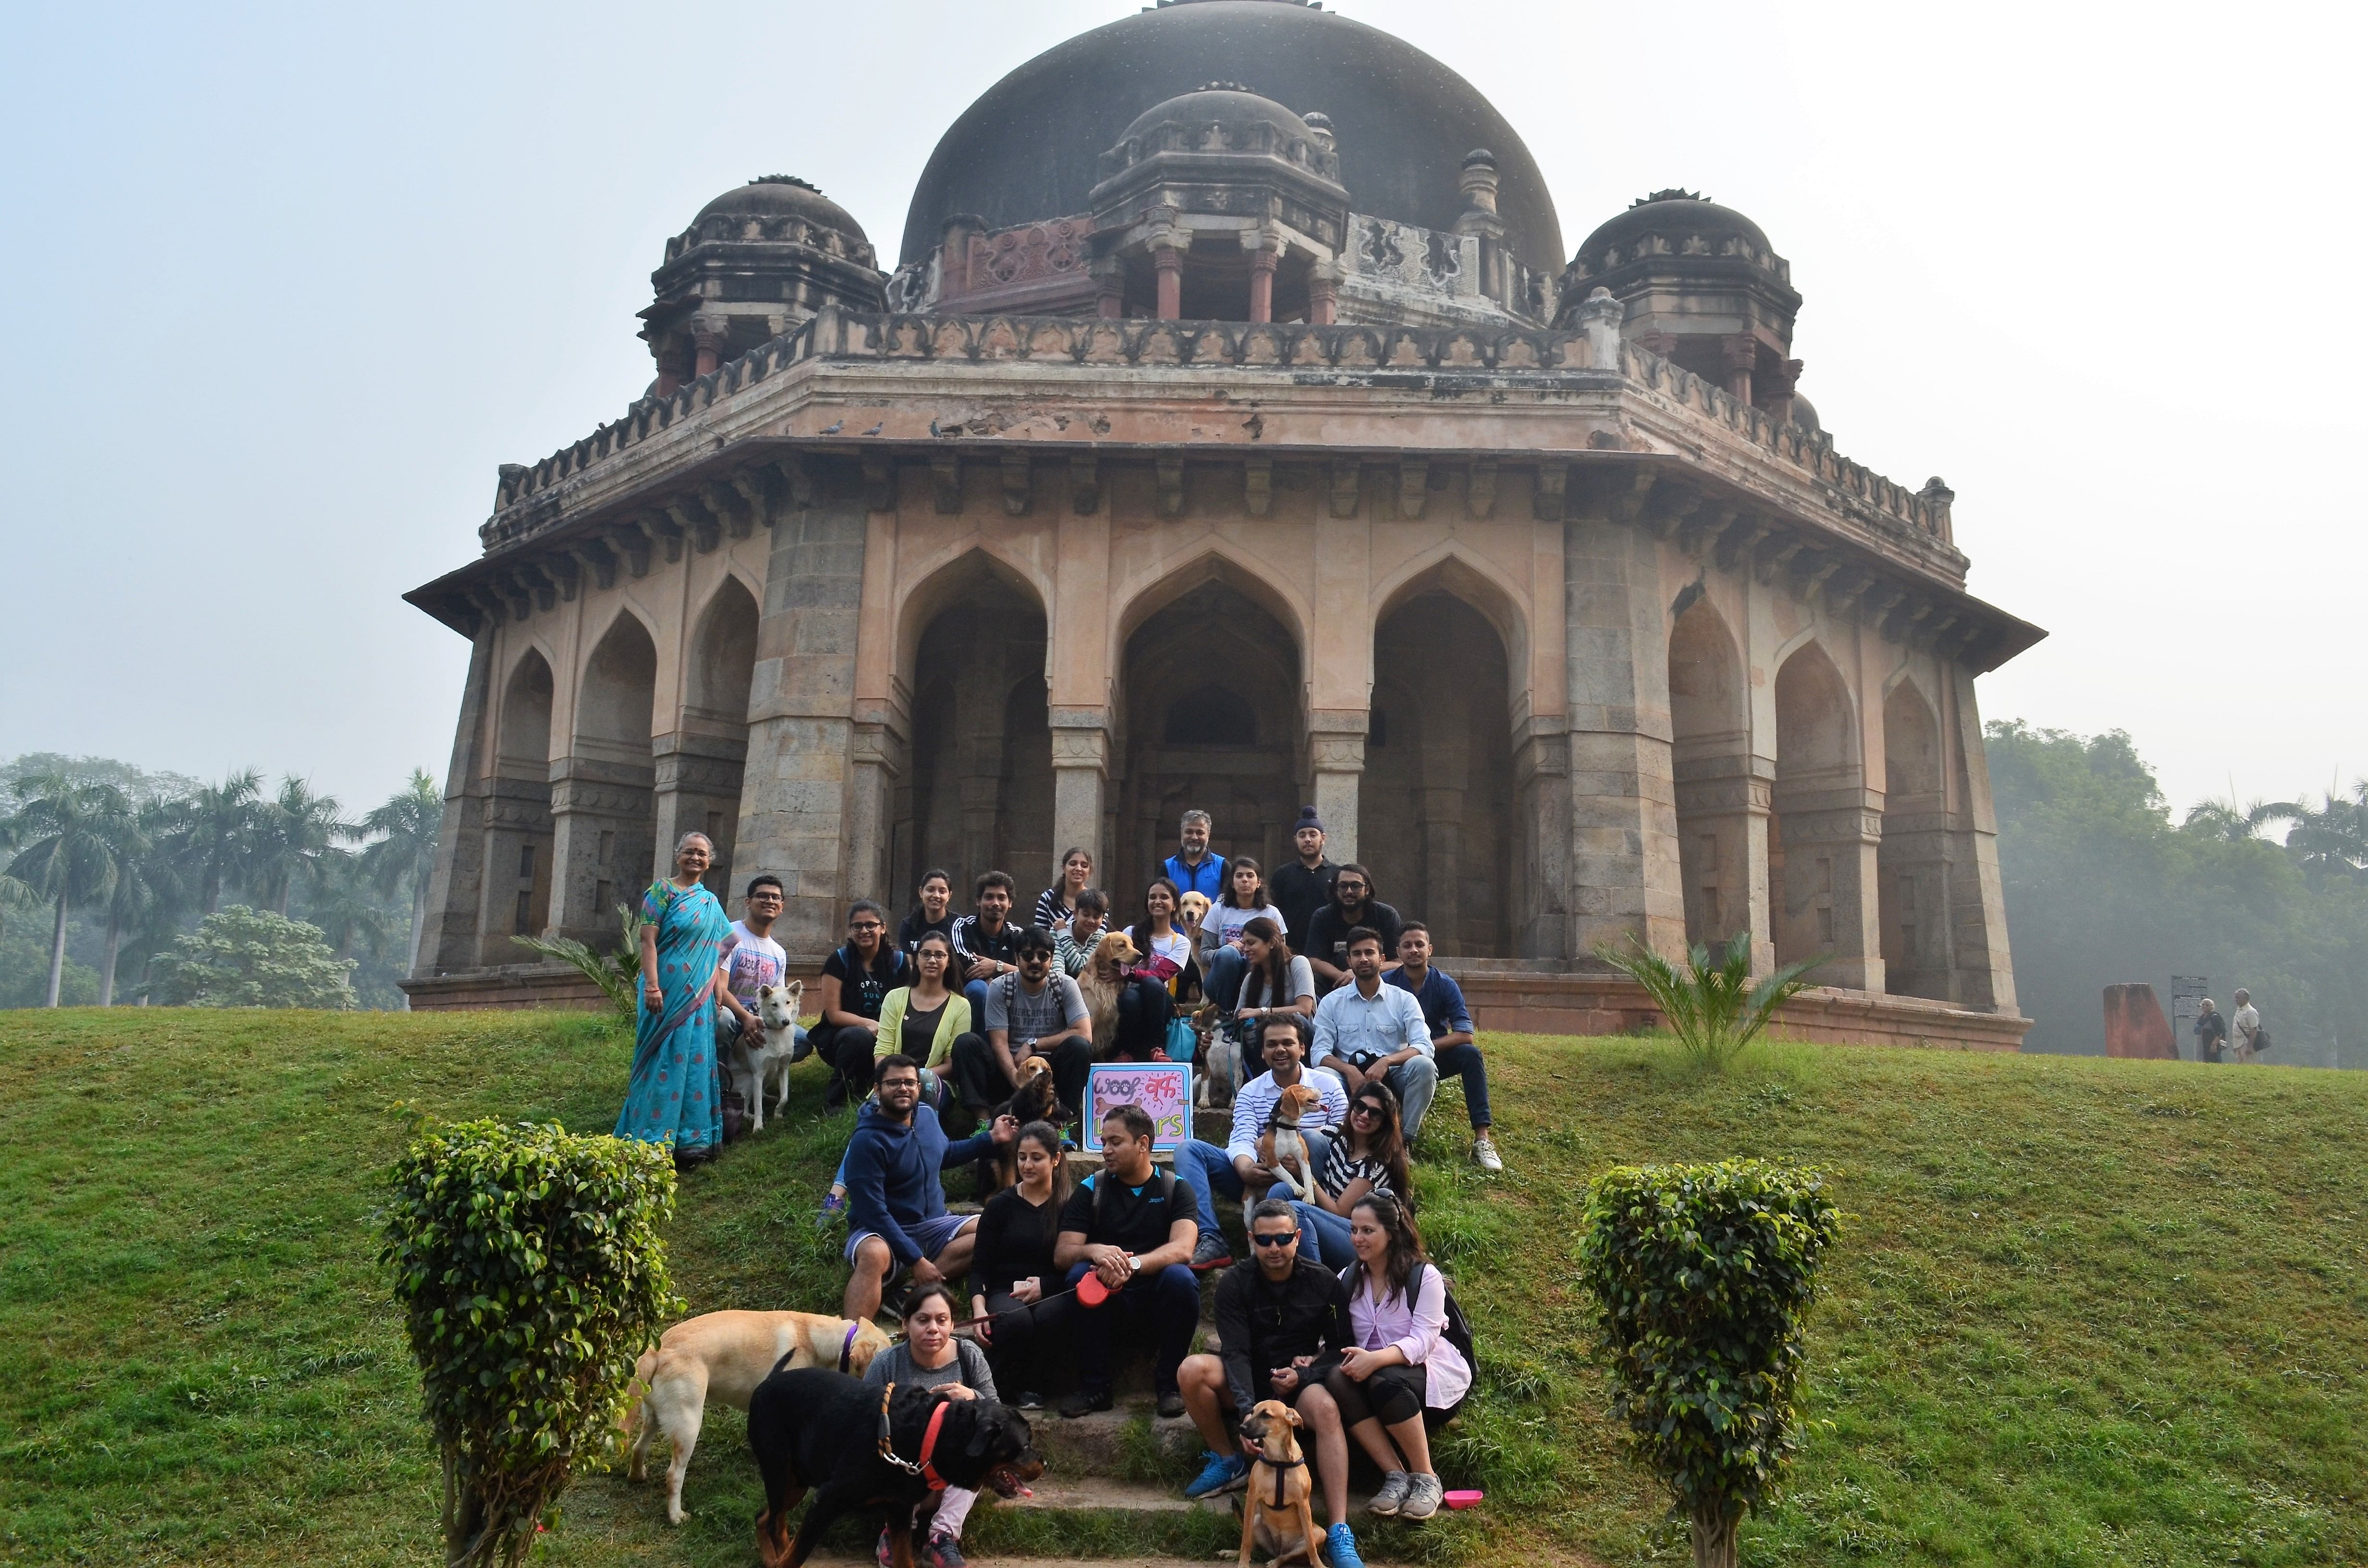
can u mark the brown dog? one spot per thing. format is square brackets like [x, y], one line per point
[1036, 1099]
[1282, 1147]
[724, 1356]
[1102, 981]
[1276, 1514]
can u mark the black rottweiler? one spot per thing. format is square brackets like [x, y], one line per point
[814, 1427]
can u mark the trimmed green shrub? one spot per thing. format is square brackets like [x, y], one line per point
[1701, 1277]
[528, 1262]
[251, 957]
[1713, 1008]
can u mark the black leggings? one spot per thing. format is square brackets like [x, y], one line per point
[1143, 1009]
[1027, 1340]
[1395, 1394]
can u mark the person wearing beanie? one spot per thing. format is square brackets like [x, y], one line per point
[1299, 890]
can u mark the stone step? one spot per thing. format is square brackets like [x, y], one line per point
[1127, 1443]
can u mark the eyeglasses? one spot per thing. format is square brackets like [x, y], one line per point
[1281, 1241]
[866, 926]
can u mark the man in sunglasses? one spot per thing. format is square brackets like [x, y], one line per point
[1282, 1321]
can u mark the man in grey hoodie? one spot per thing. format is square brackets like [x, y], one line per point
[896, 1215]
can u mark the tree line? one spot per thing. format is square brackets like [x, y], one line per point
[107, 857]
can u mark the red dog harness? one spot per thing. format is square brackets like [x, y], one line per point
[927, 1469]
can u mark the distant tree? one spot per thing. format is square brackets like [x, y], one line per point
[404, 850]
[147, 891]
[2232, 823]
[2329, 841]
[213, 837]
[294, 831]
[66, 833]
[247, 958]
[348, 908]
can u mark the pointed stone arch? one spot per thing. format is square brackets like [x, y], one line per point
[605, 829]
[702, 761]
[1451, 568]
[941, 579]
[1913, 860]
[1723, 789]
[1213, 558]
[1826, 825]
[516, 849]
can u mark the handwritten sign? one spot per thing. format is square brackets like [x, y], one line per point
[1163, 1090]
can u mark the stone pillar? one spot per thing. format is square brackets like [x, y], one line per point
[1723, 804]
[1984, 969]
[797, 819]
[1336, 751]
[1323, 294]
[519, 862]
[1169, 260]
[697, 789]
[1598, 318]
[674, 356]
[707, 341]
[1109, 286]
[871, 812]
[448, 937]
[604, 844]
[1542, 839]
[1623, 857]
[1081, 748]
[1262, 264]
[1830, 832]
[1740, 353]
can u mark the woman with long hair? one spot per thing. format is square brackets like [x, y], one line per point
[933, 910]
[1244, 899]
[1367, 1155]
[1403, 1379]
[1169, 969]
[1057, 905]
[1276, 980]
[675, 1093]
[932, 1358]
[1011, 1269]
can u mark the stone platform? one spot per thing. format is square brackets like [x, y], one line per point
[1512, 996]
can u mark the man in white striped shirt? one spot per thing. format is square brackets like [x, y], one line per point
[1234, 1170]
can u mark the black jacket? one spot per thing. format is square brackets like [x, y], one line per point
[1264, 1325]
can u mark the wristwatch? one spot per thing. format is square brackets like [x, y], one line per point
[1134, 1264]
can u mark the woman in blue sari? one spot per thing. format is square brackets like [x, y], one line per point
[676, 1095]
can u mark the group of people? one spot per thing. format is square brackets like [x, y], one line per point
[2213, 1039]
[1337, 1312]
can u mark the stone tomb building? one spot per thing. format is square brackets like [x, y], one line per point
[1233, 431]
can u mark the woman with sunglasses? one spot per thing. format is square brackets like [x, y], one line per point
[1403, 1379]
[1368, 1157]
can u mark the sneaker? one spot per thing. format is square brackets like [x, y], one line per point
[1212, 1251]
[1483, 1151]
[1422, 1499]
[834, 1209]
[943, 1552]
[1170, 1406]
[1392, 1493]
[880, 1554]
[1341, 1545]
[1028, 1400]
[1084, 1401]
[1219, 1472]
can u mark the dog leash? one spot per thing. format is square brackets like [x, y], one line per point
[926, 1469]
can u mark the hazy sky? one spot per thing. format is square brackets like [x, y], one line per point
[289, 283]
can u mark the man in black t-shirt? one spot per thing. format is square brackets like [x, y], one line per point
[856, 979]
[1305, 886]
[1353, 904]
[983, 942]
[1133, 1227]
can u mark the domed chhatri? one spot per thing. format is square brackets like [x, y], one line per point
[1232, 368]
[1700, 284]
[756, 260]
[1030, 147]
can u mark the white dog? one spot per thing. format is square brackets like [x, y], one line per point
[769, 1053]
[1220, 1060]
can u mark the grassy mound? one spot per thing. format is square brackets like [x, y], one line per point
[2085, 1311]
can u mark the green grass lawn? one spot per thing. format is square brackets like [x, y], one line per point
[2085, 1310]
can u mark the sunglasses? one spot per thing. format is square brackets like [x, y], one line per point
[1367, 1107]
[1282, 1241]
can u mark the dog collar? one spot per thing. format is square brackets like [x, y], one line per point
[846, 1350]
[928, 1445]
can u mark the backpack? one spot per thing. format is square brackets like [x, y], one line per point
[1163, 1176]
[1455, 1327]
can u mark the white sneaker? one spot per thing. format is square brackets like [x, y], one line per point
[1483, 1151]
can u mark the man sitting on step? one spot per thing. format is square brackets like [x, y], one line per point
[1128, 1226]
[1234, 1170]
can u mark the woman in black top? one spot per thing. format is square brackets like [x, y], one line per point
[855, 980]
[1057, 905]
[1012, 1277]
[934, 911]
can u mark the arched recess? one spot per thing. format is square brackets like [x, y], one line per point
[1447, 569]
[1913, 859]
[605, 827]
[1721, 794]
[517, 846]
[1225, 564]
[1211, 718]
[1821, 850]
[977, 793]
[1436, 809]
[700, 761]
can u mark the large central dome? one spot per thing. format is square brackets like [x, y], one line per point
[1029, 147]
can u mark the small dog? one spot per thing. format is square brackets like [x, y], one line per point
[1105, 976]
[1276, 1517]
[769, 1053]
[1219, 1059]
[1283, 1148]
[1036, 1099]
[724, 1356]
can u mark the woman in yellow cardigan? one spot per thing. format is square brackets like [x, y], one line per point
[925, 1019]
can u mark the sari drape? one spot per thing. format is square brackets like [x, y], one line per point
[676, 1094]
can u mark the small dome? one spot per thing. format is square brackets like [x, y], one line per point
[782, 196]
[1804, 413]
[1220, 103]
[1686, 222]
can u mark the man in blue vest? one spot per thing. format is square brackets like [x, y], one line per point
[1196, 869]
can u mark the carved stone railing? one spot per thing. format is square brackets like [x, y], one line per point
[1375, 354]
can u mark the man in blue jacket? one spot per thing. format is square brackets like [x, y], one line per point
[1195, 867]
[896, 1215]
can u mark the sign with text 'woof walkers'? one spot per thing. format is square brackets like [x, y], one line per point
[1163, 1090]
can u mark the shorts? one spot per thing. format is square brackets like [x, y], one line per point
[932, 1236]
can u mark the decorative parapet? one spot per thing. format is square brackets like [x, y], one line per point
[1549, 358]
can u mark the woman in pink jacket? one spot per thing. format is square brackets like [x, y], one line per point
[1402, 1380]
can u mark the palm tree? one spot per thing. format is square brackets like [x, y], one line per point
[148, 888]
[294, 831]
[2331, 839]
[67, 832]
[213, 836]
[347, 907]
[2233, 824]
[408, 825]
[1713, 1008]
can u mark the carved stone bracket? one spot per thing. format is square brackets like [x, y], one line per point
[945, 474]
[1480, 490]
[1546, 501]
[1085, 484]
[879, 485]
[1257, 485]
[1742, 536]
[1348, 485]
[1703, 528]
[1171, 486]
[632, 542]
[736, 511]
[568, 573]
[1771, 562]
[1016, 467]
[661, 526]
[1626, 501]
[705, 530]
[1414, 486]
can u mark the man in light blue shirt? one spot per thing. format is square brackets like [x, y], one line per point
[1366, 1030]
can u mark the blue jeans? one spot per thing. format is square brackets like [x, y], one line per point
[1325, 1234]
[1464, 1060]
[1172, 1299]
[976, 992]
[1226, 972]
[1209, 1171]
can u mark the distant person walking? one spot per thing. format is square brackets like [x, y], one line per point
[675, 1095]
[2249, 1035]
[2211, 1032]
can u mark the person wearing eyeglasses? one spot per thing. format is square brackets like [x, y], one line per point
[1368, 1157]
[1354, 904]
[1282, 1323]
[855, 980]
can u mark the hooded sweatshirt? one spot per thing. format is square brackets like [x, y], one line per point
[892, 1174]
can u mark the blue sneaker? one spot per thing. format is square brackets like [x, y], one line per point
[1340, 1544]
[1220, 1472]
